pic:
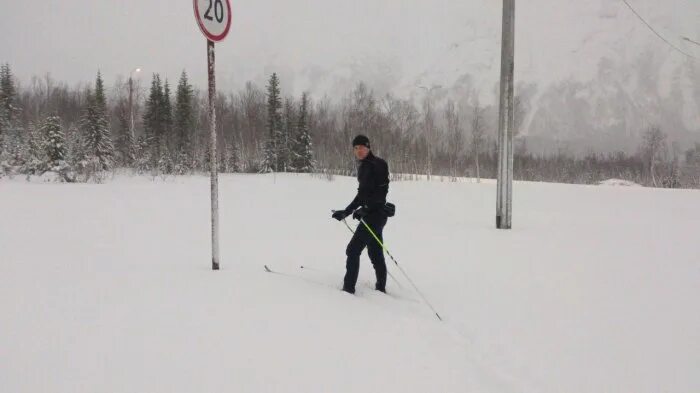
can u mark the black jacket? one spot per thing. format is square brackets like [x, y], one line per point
[373, 176]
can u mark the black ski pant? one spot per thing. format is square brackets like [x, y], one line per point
[361, 239]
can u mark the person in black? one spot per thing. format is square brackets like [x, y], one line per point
[373, 176]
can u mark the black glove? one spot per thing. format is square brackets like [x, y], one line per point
[360, 213]
[340, 214]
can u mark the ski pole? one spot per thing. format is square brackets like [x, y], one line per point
[362, 220]
[388, 272]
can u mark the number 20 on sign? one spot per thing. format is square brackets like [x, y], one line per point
[213, 18]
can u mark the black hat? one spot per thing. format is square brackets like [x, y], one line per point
[360, 140]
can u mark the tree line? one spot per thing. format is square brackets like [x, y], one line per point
[87, 132]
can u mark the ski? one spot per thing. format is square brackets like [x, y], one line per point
[365, 285]
[270, 270]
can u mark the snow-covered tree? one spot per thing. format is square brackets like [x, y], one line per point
[184, 118]
[269, 157]
[10, 131]
[153, 117]
[287, 137]
[271, 160]
[54, 142]
[75, 147]
[303, 155]
[4, 128]
[34, 152]
[98, 141]
[167, 116]
[55, 149]
[232, 158]
[8, 93]
[4, 122]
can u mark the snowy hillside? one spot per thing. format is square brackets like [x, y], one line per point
[108, 288]
[588, 69]
[590, 74]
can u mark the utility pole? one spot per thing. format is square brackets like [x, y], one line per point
[506, 120]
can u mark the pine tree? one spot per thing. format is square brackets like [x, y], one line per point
[125, 143]
[232, 163]
[165, 161]
[13, 146]
[98, 142]
[303, 147]
[34, 153]
[10, 132]
[104, 149]
[153, 116]
[184, 118]
[56, 150]
[15, 149]
[287, 137]
[75, 147]
[144, 160]
[100, 99]
[4, 128]
[55, 143]
[8, 93]
[269, 157]
[271, 161]
[167, 110]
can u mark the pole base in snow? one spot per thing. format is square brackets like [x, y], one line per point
[499, 223]
[214, 266]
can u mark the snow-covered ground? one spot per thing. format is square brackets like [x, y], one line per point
[108, 288]
[618, 183]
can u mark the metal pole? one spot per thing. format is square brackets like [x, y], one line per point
[213, 162]
[131, 107]
[504, 199]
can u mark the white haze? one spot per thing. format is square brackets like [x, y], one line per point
[596, 48]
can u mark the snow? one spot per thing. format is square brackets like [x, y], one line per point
[618, 183]
[109, 288]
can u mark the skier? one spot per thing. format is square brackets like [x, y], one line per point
[368, 205]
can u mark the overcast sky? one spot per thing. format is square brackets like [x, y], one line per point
[71, 39]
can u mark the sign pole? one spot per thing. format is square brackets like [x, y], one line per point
[213, 161]
[214, 20]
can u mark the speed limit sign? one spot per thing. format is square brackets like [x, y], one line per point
[213, 18]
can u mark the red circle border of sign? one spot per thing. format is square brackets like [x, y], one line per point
[211, 37]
